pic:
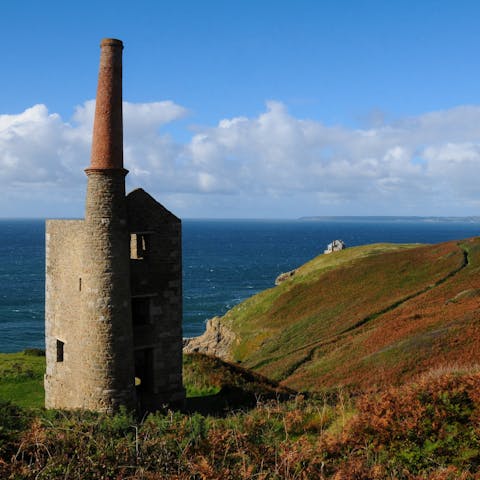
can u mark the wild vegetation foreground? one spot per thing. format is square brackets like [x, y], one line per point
[382, 340]
[426, 428]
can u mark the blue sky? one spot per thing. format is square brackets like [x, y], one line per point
[249, 108]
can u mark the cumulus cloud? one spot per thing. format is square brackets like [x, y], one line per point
[419, 165]
[42, 155]
[28, 143]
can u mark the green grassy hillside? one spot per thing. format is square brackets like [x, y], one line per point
[213, 386]
[364, 317]
[21, 378]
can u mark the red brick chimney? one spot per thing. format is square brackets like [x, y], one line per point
[107, 143]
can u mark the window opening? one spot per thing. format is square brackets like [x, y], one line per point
[141, 311]
[138, 245]
[144, 369]
[60, 348]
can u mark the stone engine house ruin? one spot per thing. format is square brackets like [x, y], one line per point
[113, 281]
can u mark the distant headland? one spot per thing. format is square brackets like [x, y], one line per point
[325, 218]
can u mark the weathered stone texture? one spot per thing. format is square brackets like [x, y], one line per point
[107, 324]
[127, 250]
[88, 304]
[217, 340]
[156, 281]
[63, 312]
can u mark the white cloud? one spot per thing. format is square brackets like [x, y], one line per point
[420, 165]
[143, 119]
[31, 147]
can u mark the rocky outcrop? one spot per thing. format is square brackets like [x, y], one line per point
[284, 276]
[216, 340]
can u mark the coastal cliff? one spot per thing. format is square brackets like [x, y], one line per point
[217, 340]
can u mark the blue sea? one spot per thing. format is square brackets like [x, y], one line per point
[224, 262]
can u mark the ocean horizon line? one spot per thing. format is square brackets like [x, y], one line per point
[469, 218]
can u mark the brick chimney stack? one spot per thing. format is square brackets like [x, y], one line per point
[107, 143]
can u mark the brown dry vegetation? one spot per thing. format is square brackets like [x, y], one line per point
[365, 317]
[426, 429]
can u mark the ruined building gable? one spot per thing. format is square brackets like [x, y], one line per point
[143, 209]
[156, 288]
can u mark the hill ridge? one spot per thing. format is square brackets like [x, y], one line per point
[311, 330]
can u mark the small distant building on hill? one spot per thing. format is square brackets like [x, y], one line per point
[113, 281]
[335, 246]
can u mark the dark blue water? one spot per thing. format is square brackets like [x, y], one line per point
[224, 262]
[22, 283]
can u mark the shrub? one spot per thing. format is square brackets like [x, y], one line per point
[34, 352]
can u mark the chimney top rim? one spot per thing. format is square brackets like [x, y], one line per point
[111, 42]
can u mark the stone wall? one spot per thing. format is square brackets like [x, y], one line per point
[63, 312]
[156, 284]
[114, 302]
[106, 327]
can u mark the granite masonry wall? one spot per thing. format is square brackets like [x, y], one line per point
[106, 325]
[114, 301]
[63, 313]
[156, 285]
